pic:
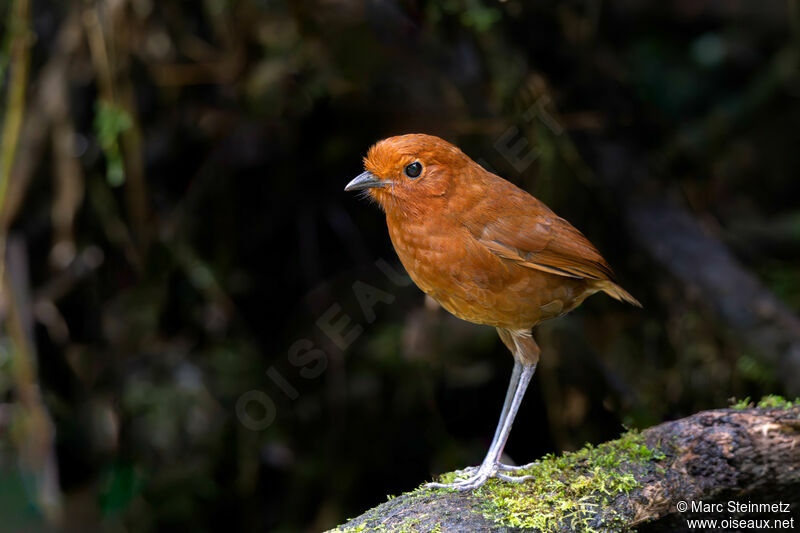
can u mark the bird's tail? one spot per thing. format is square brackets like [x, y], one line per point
[617, 292]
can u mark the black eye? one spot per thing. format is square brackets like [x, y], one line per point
[414, 170]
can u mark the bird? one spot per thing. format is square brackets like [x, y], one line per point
[488, 252]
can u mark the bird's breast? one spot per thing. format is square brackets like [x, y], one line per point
[426, 251]
[470, 281]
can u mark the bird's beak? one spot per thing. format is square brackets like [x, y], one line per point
[365, 180]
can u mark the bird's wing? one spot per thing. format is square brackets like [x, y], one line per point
[529, 234]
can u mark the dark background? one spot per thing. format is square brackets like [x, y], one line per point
[175, 230]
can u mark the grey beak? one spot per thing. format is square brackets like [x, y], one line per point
[365, 180]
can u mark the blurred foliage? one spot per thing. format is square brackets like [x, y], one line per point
[176, 224]
[109, 122]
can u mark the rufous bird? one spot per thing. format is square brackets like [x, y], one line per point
[488, 252]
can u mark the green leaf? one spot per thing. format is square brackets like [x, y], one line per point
[110, 122]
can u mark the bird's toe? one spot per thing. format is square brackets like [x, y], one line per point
[513, 479]
[513, 468]
[477, 476]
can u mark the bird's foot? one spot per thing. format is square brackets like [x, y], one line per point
[476, 476]
[500, 467]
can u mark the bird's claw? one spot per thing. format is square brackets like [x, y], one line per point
[476, 476]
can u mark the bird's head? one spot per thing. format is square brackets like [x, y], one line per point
[408, 171]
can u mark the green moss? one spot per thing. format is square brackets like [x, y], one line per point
[357, 529]
[411, 525]
[771, 401]
[376, 524]
[741, 404]
[569, 489]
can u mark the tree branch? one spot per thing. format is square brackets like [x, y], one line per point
[747, 455]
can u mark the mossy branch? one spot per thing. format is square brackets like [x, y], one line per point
[745, 453]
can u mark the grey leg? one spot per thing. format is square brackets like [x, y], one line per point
[512, 388]
[489, 467]
[497, 449]
[513, 384]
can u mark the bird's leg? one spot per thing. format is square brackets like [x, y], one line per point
[492, 460]
[513, 384]
[489, 466]
[529, 349]
[526, 356]
[512, 388]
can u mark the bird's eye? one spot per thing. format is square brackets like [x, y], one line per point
[413, 170]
